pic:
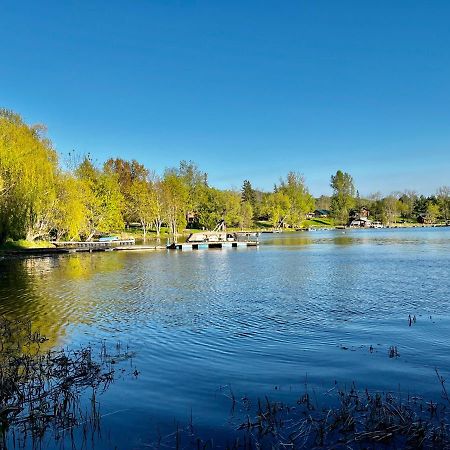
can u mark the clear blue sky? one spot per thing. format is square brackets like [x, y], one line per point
[245, 89]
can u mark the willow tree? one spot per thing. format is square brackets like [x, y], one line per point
[28, 169]
[70, 213]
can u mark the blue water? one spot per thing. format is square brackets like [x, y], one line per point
[303, 307]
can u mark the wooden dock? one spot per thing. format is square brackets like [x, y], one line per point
[61, 247]
[94, 245]
[205, 245]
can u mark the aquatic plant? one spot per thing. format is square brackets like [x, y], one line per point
[348, 419]
[41, 391]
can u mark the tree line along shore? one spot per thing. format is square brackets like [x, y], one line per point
[43, 198]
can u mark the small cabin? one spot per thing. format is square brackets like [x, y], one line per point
[361, 213]
[423, 219]
[322, 213]
[362, 222]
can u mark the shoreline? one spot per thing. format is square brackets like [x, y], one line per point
[48, 251]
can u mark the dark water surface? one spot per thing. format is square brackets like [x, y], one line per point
[302, 305]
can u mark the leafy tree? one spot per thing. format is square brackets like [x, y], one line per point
[175, 201]
[246, 215]
[408, 200]
[28, 170]
[142, 205]
[301, 201]
[432, 212]
[248, 193]
[103, 199]
[128, 173]
[232, 208]
[390, 207]
[211, 208]
[157, 202]
[343, 198]
[38, 198]
[443, 201]
[323, 202]
[195, 180]
[420, 206]
[277, 207]
[69, 215]
[375, 205]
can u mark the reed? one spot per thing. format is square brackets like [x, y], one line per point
[41, 391]
[349, 419]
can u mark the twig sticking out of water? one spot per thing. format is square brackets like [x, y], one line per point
[442, 383]
[393, 352]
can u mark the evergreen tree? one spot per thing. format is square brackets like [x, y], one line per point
[248, 193]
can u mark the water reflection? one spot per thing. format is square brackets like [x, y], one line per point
[48, 291]
[431, 237]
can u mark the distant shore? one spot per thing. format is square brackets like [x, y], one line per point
[45, 248]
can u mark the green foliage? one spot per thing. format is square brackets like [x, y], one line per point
[102, 199]
[23, 244]
[39, 200]
[432, 212]
[300, 202]
[69, 218]
[195, 182]
[129, 175]
[390, 209]
[408, 200]
[176, 199]
[246, 215]
[232, 208]
[142, 204]
[28, 171]
[210, 207]
[443, 202]
[277, 207]
[420, 206]
[343, 198]
[323, 202]
[248, 193]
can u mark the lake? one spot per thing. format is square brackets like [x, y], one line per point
[313, 307]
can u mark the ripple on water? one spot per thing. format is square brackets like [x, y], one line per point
[251, 318]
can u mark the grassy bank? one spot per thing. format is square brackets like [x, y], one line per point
[22, 244]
